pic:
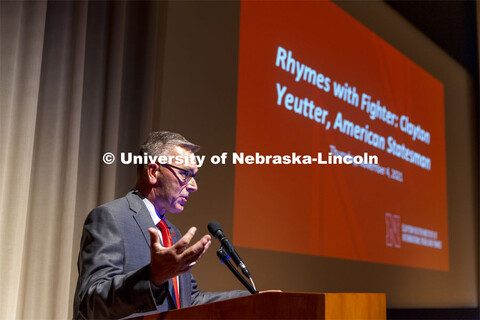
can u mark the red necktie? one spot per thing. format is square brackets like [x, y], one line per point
[167, 242]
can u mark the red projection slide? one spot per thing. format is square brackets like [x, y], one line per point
[316, 88]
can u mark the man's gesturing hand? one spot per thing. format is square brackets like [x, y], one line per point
[169, 262]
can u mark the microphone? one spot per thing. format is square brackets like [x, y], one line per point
[216, 230]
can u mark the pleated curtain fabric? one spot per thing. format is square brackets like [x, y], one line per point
[78, 79]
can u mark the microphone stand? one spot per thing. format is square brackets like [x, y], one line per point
[222, 254]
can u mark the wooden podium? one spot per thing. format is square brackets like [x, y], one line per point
[286, 305]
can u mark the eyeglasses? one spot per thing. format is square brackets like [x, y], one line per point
[184, 175]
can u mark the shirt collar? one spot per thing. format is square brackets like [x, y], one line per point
[152, 211]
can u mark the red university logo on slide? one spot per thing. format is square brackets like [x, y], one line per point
[392, 230]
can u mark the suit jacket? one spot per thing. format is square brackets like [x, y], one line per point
[114, 266]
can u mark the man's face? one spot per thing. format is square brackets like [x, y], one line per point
[171, 192]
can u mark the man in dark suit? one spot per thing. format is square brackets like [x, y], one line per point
[133, 261]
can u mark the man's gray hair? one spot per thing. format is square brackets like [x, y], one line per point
[160, 143]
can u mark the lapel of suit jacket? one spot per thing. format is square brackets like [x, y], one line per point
[140, 214]
[144, 221]
[184, 278]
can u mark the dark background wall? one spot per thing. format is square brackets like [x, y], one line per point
[452, 25]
